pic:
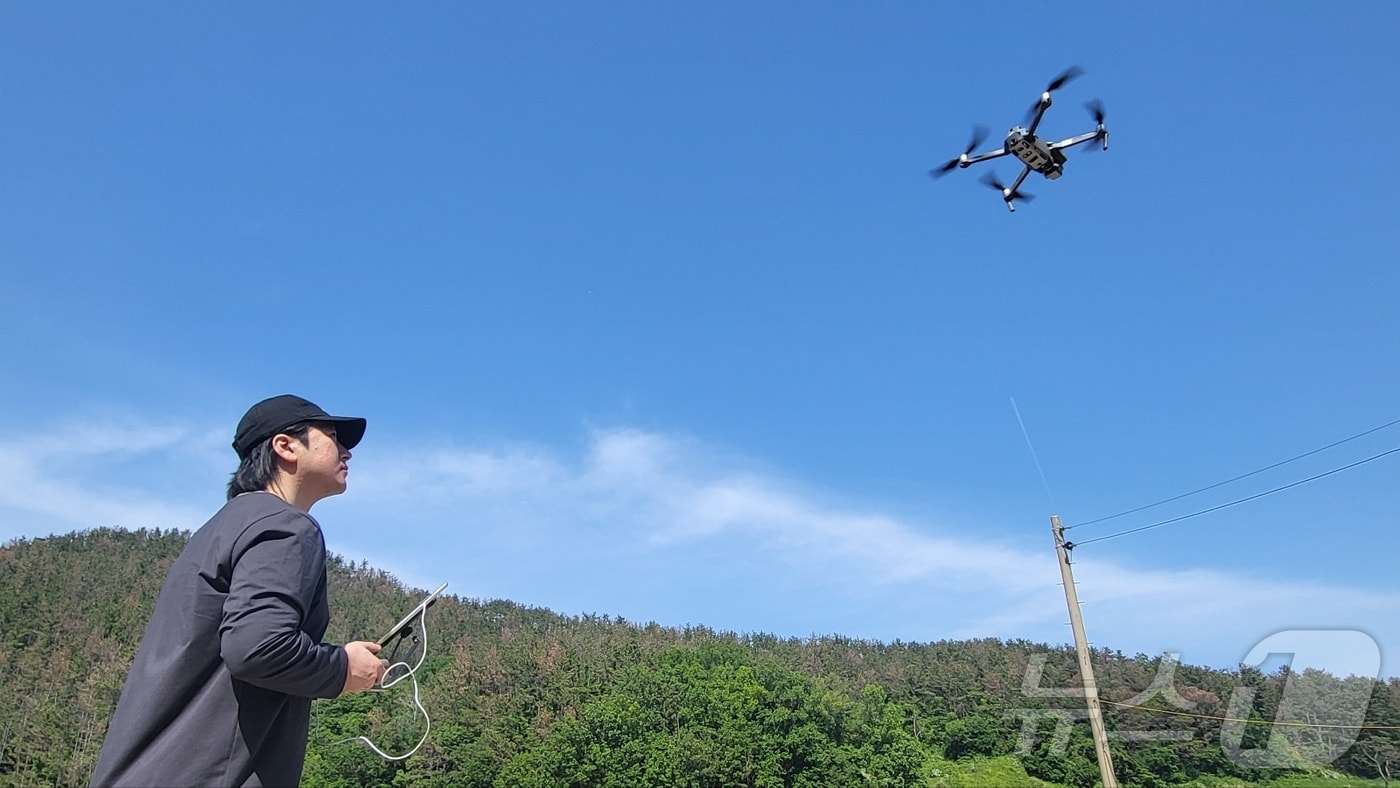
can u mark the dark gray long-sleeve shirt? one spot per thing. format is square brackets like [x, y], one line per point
[220, 691]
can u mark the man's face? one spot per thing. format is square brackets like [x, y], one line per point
[325, 464]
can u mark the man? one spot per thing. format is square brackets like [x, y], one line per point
[220, 691]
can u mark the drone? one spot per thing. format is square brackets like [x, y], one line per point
[1037, 154]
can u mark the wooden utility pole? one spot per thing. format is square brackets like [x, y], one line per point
[1086, 667]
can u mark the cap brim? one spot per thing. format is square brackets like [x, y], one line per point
[348, 430]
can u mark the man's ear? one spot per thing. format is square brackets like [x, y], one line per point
[285, 447]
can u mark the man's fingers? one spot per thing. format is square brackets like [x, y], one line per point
[365, 669]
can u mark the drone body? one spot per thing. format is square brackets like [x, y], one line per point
[1035, 153]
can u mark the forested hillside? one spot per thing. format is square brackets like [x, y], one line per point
[520, 696]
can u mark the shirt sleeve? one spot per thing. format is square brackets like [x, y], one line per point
[279, 563]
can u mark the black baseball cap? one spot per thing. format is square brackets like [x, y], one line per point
[274, 414]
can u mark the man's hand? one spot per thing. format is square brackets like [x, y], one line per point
[363, 669]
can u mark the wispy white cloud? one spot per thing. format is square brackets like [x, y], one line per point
[676, 498]
[85, 475]
[666, 493]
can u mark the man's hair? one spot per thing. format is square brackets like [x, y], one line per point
[258, 469]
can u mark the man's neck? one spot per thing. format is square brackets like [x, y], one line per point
[287, 488]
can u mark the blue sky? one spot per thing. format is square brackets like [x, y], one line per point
[655, 313]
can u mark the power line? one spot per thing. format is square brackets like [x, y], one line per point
[1235, 479]
[1239, 501]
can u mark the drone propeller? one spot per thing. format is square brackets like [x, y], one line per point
[979, 135]
[1063, 79]
[1006, 194]
[1058, 82]
[1095, 108]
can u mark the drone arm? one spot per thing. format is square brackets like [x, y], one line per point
[1040, 107]
[989, 155]
[1082, 138]
[1019, 179]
